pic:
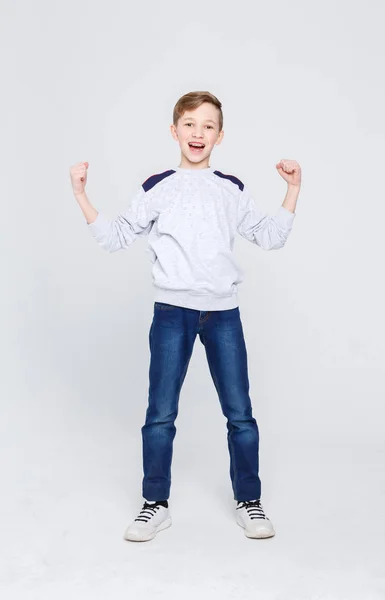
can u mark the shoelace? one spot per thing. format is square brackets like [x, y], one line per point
[147, 512]
[253, 508]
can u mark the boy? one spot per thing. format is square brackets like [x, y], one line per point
[191, 214]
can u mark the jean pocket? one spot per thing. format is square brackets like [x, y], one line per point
[164, 306]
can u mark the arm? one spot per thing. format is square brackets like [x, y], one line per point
[291, 173]
[290, 201]
[122, 231]
[87, 209]
[268, 232]
[271, 232]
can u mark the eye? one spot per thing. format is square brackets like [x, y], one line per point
[187, 124]
[210, 127]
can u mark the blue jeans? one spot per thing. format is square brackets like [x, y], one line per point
[172, 336]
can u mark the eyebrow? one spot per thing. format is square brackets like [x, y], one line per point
[192, 119]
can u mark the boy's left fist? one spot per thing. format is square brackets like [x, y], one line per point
[290, 171]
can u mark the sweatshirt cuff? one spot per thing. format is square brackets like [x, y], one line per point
[285, 217]
[100, 225]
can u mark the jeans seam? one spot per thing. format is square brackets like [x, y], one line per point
[205, 318]
[181, 379]
[235, 472]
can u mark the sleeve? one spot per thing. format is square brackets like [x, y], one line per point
[121, 232]
[268, 232]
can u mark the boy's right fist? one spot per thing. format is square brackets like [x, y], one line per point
[79, 177]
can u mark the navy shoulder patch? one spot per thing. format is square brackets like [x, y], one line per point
[154, 179]
[235, 180]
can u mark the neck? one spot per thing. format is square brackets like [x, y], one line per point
[185, 163]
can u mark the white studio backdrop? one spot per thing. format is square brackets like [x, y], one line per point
[98, 82]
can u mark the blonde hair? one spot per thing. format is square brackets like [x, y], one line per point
[191, 101]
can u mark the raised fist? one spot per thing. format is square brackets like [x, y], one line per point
[79, 177]
[290, 171]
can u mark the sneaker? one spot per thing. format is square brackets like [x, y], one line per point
[251, 517]
[152, 518]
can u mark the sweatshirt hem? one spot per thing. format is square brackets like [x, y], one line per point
[197, 302]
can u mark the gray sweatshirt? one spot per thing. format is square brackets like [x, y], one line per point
[191, 217]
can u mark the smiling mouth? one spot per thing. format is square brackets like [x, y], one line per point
[196, 147]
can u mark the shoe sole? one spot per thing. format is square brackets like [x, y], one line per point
[260, 536]
[160, 527]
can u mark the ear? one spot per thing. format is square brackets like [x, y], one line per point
[173, 132]
[220, 137]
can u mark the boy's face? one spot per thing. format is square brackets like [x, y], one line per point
[199, 127]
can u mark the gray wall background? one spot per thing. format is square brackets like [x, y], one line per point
[97, 82]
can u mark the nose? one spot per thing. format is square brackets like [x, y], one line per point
[197, 133]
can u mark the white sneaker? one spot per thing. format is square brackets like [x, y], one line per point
[152, 518]
[251, 517]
